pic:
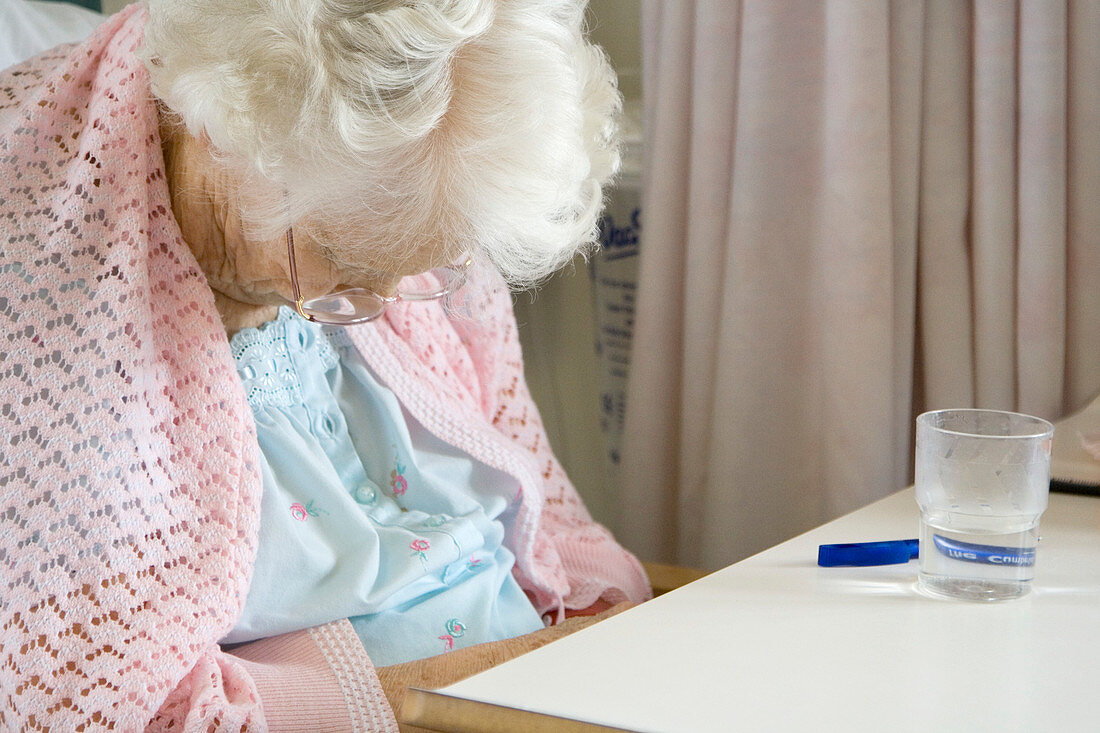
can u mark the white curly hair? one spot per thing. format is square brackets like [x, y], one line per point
[394, 125]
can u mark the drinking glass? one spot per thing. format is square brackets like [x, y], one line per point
[982, 480]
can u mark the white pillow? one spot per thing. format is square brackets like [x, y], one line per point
[28, 27]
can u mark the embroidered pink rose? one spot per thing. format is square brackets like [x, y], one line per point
[302, 513]
[398, 484]
[420, 547]
[455, 629]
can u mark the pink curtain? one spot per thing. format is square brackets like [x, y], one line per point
[855, 210]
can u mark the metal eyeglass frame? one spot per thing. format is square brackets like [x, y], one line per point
[459, 271]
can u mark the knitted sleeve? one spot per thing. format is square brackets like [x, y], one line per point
[594, 564]
[316, 680]
[129, 479]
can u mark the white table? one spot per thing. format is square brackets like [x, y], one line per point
[775, 643]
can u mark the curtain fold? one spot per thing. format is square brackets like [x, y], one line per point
[1082, 192]
[854, 211]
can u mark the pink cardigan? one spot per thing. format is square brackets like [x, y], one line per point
[129, 483]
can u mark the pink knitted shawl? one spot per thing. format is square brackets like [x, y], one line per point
[129, 483]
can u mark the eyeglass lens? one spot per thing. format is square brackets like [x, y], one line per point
[359, 304]
[346, 306]
[434, 283]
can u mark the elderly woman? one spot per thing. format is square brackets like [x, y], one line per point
[268, 453]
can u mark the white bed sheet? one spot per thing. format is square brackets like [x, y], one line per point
[28, 27]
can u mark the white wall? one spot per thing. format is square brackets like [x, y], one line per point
[616, 26]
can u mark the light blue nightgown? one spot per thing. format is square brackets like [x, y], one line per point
[365, 514]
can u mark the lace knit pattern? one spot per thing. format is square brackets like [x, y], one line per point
[119, 411]
[129, 480]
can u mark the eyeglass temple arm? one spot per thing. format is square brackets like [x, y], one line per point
[299, 301]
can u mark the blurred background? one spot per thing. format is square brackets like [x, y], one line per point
[833, 215]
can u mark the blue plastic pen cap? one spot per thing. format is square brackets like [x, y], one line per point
[863, 554]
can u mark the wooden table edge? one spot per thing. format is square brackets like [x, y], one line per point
[436, 712]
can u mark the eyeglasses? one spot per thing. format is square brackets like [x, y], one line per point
[359, 305]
